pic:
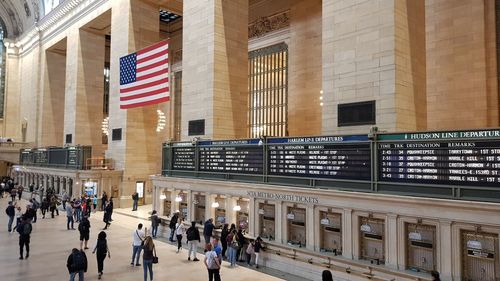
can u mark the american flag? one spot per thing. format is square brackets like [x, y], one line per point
[144, 77]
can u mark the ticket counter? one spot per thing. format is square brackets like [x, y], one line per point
[421, 247]
[296, 221]
[372, 236]
[267, 221]
[199, 208]
[330, 232]
[220, 211]
[242, 209]
[167, 204]
[480, 256]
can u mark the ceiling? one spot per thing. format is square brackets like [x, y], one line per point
[16, 16]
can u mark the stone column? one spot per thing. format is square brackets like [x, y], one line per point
[445, 238]
[215, 36]
[391, 238]
[189, 202]
[252, 217]
[134, 26]
[209, 211]
[347, 233]
[83, 112]
[230, 213]
[280, 220]
[12, 116]
[311, 227]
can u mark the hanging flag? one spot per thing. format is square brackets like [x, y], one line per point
[144, 77]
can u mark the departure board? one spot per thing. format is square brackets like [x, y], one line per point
[470, 162]
[235, 156]
[340, 157]
[184, 154]
[73, 156]
[41, 157]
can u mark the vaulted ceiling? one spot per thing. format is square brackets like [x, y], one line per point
[19, 15]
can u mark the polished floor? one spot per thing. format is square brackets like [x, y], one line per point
[51, 244]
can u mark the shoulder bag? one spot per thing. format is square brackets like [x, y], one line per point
[155, 257]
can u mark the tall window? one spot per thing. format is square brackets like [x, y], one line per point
[268, 88]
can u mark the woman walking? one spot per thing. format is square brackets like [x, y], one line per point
[179, 229]
[223, 240]
[101, 247]
[147, 257]
[212, 263]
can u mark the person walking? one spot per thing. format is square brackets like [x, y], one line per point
[94, 203]
[13, 193]
[104, 200]
[135, 199]
[11, 213]
[147, 257]
[19, 214]
[179, 230]
[77, 264]
[212, 264]
[84, 229]
[101, 247]
[137, 243]
[44, 207]
[77, 205]
[223, 239]
[65, 199]
[232, 242]
[207, 230]
[107, 215]
[257, 247]
[69, 216]
[88, 208]
[326, 275]
[193, 238]
[24, 229]
[155, 222]
[20, 191]
[111, 206]
[35, 205]
[53, 206]
[172, 224]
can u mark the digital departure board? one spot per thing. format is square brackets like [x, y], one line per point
[454, 162]
[41, 157]
[235, 156]
[340, 157]
[184, 154]
[73, 158]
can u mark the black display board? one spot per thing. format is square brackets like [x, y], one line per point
[73, 156]
[183, 156]
[41, 157]
[235, 156]
[57, 156]
[340, 157]
[461, 162]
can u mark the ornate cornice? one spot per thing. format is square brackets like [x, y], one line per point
[268, 24]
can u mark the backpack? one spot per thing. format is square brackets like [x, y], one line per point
[27, 229]
[211, 256]
[190, 234]
[78, 261]
[83, 226]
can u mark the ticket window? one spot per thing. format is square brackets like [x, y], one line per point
[331, 232]
[420, 247]
[183, 209]
[267, 221]
[480, 256]
[242, 214]
[372, 240]
[199, 208]
[220, 213]
[167, 204]
[296, 220]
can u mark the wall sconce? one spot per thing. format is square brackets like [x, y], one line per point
[163, 196]
[161, 122]
[237, 208]
[178, 198]
[105, 126]
[216, 203]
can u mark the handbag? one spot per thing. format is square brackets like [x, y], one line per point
[155, 257]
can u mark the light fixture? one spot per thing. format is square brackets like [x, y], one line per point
[89, 184]
[237, 208]
[215, 204]
[178, 198]
[321, 98]
[105, 126]
[161, 122]
[163, 196]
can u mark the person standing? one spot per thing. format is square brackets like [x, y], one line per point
[13, 193]
[107, 215]
[155, 222]
[207, 230]
[104, 200]
[84, 229]
[69, 216]
[111, 206]
[35, 205]
[232, 242]
[147, 257]
[19, 214]
[223, 239]
[65, 199]
[135, 199]
[20, 191]
[101, 247]
[53, 206]
[94, 202]
[212, 264]
[77, 264]
[44, 207]
[193, 238]
[256, 249]
[11, 213]
[137, 243]
[179, 230]
[241, 242]
[24, 229]
[88, 206]
[172, 224]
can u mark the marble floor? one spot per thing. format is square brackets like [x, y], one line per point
[51, 244]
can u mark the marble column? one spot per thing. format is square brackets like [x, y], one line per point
[253, 216]
[391, 238]
[280, 220]
[311, 227]
[445, 238]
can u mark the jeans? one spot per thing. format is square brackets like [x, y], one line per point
[100, 262]
[9, 226]
[232, 255]
[136, 251]
[207, 239]
[78, 213]
[148, 264]
[193, 247]
[179, 242]
[213, 273]
[64, 204]
[70, 221]
[172, 230]
[154, 231]
[24, 241]
[134, 206]
[73, 274]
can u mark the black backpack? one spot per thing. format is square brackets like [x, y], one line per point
[84, 226]
[190, 234]
[27, 229]
[78, 261]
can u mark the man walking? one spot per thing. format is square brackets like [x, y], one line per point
[11, 213]
[77, 264]
[207, 230]
[138, 239]
[24, 230]
[69, 216]
[65, 199]
[171, 225]
[84, 228]
[135, 199]
[193, 238]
